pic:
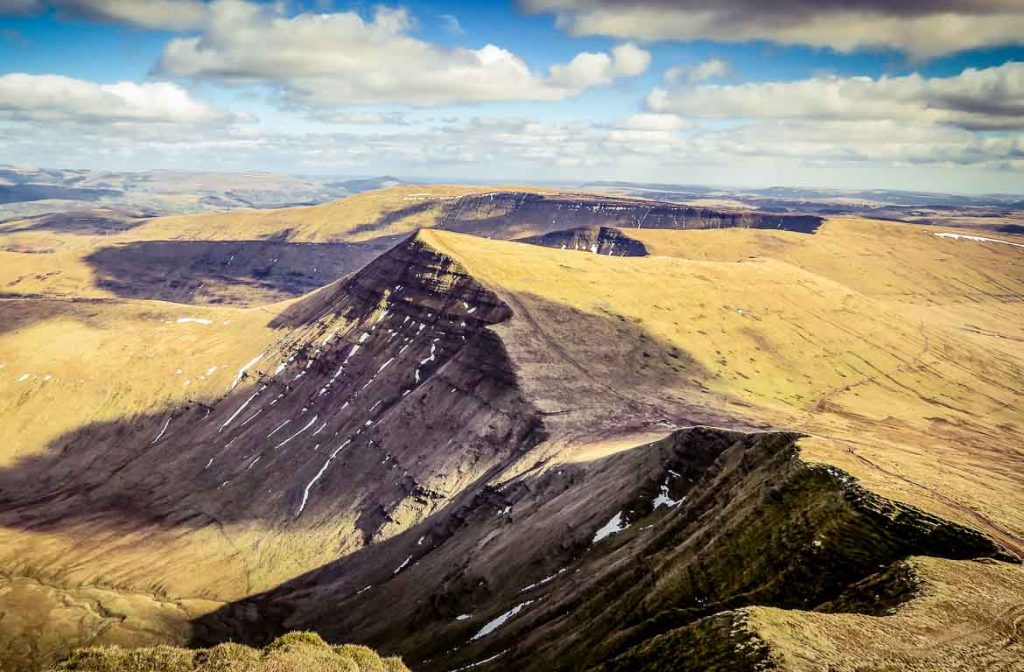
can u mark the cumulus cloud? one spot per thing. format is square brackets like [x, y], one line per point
[55, 97]
[151, 14]
[341, 59]
[653, 122]
[976, 99]
[589, 69]
[713, 68]
[364, 118]
[921, 28]
[503, 149]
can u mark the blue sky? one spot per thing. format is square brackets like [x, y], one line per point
[517, 91]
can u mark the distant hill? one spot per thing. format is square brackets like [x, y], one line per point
[26, 192]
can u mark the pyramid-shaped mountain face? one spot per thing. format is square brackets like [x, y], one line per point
[481, 453]
[387, 389]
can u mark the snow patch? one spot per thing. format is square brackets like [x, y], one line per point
[613, 526]
[664, 499]
[977, 239]
[162, 430]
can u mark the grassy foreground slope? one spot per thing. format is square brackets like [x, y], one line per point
[963, 617]
[294, 652]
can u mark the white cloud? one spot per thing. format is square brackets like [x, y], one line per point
[151, 14]
[654, 122]
[55, 97]
[340, 59]
[905, 153]
[991, 98]
[364, 118]
[713, 68]
[922, 28]
[629, 60]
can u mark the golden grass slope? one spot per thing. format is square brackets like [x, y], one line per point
[294, 652]
[901, 354]
[967, 617]
[67, 364]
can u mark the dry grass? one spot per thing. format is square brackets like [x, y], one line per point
[294, 652]
[967, 617]
[899, 352]
[54, 263]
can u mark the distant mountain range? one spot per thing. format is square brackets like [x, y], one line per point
[791, 196]
[26, 192]
[32, 191]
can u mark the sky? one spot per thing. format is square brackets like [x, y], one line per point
[851, 94]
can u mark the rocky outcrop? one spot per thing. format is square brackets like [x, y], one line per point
[598, 240]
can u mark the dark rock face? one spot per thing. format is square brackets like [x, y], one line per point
[594, 562]
[385, 397]
[599, 240]
[514, 211]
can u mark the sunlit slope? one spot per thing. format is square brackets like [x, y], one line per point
[260, 256]
[966, 617]
[37, 257]
[353, 218]
[961, 616]
[65, 365]
[895, 390]
[409, 394]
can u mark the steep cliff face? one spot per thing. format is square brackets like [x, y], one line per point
[514, 212]
[385, 397]
[599, 240]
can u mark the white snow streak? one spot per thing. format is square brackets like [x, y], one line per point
[305, 493]
[543, 581]
[162, 430]
[308, 425]
[403, 565]
[501, 620]
[278, 428]
[977, 239]
[241, 408]
[480, 662]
